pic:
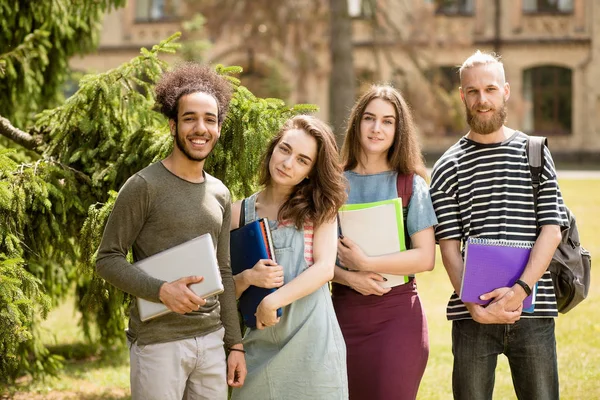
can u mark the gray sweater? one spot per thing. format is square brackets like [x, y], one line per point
[154, 211]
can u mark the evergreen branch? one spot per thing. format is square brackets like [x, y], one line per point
[26, 48]
[18, 136]
[80, 176]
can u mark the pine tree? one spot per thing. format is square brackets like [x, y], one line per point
[38, 38]
[57, 190]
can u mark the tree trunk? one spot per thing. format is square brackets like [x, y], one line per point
[341, 82]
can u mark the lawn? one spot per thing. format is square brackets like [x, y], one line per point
[578, 335]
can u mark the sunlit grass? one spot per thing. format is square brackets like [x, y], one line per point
[86, 375]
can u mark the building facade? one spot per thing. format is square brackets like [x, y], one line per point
[550, 49]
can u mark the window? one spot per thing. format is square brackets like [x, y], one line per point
[448, 78]
[454, 7]
[549, 92]
[444, 82]
[156, 10]
[360, 8]
[548, 6]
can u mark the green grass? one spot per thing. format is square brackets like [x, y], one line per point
[86, 375]
[578, 335]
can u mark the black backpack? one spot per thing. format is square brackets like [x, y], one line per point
[571, 264]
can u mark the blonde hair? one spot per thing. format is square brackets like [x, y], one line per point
[481, 58]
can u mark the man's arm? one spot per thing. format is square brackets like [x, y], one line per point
[494, 313]
[453, 262]
[551, 215]
[122, 228]
[538, 262]
[229, 315]
[236, 362]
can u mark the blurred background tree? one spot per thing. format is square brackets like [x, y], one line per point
[291, 39]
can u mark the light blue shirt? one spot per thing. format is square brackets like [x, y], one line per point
[382, 186]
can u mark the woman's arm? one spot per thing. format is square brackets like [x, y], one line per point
[324, 253]
[265, 273]
[364, 283]
[418, 259]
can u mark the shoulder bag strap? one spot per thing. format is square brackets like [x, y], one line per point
[404, 186]
[535, 156]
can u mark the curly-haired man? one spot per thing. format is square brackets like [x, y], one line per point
[178, 355]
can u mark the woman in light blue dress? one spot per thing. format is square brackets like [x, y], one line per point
[300, 355]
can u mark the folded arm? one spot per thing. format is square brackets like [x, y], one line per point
[311, 279]
[418, 259]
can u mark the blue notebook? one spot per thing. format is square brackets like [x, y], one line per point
[490, 264]
[248, 244]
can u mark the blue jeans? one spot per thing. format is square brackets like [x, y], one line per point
[530, 346]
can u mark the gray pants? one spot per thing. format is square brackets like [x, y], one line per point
[187, 369]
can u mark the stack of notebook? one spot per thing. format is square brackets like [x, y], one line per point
[378, 229]
[249, 244]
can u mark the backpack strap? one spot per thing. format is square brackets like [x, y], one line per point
[535, 155]
[242, 214]
[404, 186]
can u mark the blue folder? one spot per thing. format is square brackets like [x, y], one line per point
[247, 246]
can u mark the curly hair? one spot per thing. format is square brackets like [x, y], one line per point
[319, 197]
[189, 78]
[405, 154]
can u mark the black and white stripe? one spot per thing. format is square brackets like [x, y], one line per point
[484, 190]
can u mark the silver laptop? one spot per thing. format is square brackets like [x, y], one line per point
[194, 257]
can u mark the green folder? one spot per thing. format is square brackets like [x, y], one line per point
[373, 221]
[397, 202]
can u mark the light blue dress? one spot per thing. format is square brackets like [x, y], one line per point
[303, 356]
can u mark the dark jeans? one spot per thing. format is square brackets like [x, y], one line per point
[529, 345]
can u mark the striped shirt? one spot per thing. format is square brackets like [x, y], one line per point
[484, 190]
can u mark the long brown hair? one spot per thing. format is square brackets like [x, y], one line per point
[405, 154]
[318, 198]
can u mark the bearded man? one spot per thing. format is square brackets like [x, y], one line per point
[481, 187]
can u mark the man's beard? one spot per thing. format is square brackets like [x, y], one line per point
[490, 125]
[180, 143]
